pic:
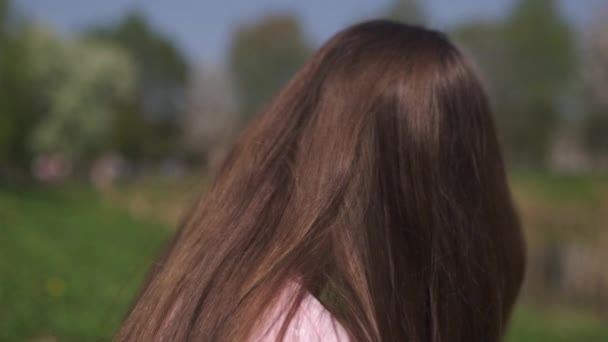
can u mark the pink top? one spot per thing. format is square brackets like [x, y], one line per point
[311, 322]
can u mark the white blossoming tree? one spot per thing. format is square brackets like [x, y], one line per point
[79, 82]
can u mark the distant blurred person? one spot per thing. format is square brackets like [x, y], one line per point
[368, 203]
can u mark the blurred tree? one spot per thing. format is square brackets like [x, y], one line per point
[18, 113]
[263, 57]
[530, 69]
[407, 11]
[4, 8]
[542, 62]
[146, 125]
[478, 39]
[77, 83]
[6, 120]
[211, 117]
[595, 126]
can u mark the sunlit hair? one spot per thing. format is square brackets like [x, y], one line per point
[376, 181]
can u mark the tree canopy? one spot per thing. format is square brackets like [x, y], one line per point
[263, 57]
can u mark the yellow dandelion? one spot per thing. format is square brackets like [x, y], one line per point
[55, 286]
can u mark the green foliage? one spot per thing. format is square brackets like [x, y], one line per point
[530, 60]
[595, 61]
[146, 124]
[542, 60]
[18, 112]
[4, 12]
[138, 137]
[407, 11]
[70, 263]
[57, 94]
[263, 57]
[160, 65]
[79, 81]
[117, 88]
[596, 132]
[541, 42]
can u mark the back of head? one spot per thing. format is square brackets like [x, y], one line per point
[375, 179]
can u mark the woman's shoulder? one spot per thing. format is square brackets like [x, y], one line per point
[311, 322]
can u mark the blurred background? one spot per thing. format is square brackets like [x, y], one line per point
[113, 114]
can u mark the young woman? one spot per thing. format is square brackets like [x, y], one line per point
[368, 203]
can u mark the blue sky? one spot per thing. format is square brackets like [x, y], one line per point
[203, 27]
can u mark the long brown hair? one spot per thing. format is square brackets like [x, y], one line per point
[375, 178]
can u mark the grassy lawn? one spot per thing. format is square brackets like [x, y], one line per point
[69, 265]
[534, 324]
[71, 261]
[562, 188]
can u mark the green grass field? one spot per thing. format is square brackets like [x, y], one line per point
[70, 264]
[71, 261]
[533, 324]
